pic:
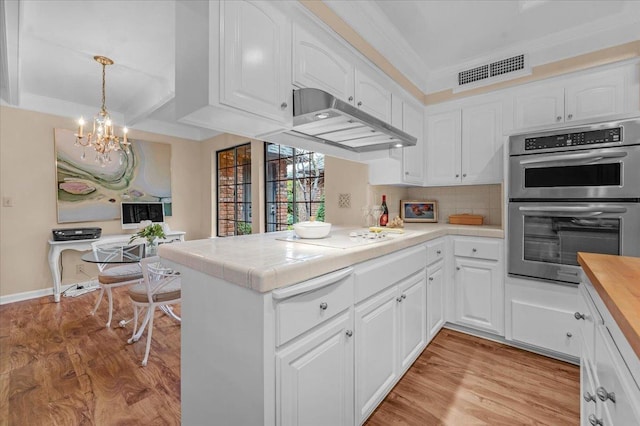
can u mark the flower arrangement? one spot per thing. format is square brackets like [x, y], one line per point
[150, 231]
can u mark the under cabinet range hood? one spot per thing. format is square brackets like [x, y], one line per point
[323, 118]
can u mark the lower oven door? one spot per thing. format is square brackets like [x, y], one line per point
[544, 237]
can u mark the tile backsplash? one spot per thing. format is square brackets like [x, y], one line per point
[485, 200]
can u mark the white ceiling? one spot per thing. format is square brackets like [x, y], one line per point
[48, 46]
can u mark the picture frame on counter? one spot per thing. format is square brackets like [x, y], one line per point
[419, 211]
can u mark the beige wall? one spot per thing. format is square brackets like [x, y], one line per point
[27, 173]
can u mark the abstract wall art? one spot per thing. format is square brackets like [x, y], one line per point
[88, 190]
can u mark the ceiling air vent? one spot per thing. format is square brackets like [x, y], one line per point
[485, 74]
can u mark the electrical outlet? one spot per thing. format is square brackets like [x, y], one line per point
[80, 268]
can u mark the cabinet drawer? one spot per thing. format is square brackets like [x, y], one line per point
[298, 314]
[435, 251]
[545, 327]
[377, 274]
[476, 248]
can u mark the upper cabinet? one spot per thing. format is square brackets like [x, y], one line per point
[255, 60]
[464, 146]
[317, 65]
[570, 99]
[233, 66]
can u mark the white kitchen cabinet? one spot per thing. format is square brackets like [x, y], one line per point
[610, 394]
[233, 66]
[435, 299]
[314, 383]
[390, 331]
[372, 97]
[464, 146]
[540, 315]
[317, 65]
[570, 99]
[478, 284]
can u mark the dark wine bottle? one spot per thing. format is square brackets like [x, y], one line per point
[384, 219]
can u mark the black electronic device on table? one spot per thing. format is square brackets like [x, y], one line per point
[72, 234]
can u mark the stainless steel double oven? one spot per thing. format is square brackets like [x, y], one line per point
[570, 190]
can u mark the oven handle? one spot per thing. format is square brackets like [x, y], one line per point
[586, 157]
[574, 210]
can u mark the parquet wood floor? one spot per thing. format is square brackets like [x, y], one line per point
[61, 366]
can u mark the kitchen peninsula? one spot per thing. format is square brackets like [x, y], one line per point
[284, 332]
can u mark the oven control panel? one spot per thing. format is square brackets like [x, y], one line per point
[572, 139]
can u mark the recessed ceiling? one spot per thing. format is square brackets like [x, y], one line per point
[53, 43]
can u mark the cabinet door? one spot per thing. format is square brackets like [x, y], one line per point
[314, 377]
[435, 299]
[444, 133]
[376, 360]
[413, 320]
[372, 97]
[614, 380]
[588, 398]
[477, 292]
[539, 107]
[413, 157]
[595, 95]
[256, 59]
[316, 65]
[482, 143]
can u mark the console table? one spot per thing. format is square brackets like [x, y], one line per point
[57, 247]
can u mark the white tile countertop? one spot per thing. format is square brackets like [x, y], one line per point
[264, 262]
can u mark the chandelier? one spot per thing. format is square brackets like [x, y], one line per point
[102, 137]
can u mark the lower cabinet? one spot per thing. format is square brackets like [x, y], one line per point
[435, 298]
[610, 395]
[315, 377]
[478, 284]
[390, 333]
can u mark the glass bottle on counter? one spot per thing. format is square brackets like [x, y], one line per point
[384, 219]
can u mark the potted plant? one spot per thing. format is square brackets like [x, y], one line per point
[151, 232]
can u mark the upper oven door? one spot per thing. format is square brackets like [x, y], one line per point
[590, 173]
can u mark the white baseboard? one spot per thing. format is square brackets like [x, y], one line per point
[34, 294]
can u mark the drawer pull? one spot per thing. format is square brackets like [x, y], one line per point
[324, 306]
[349, 333]
[350, 98]
[283, 105]
[588, 397]
[569, 334]
[604, 395]
[474, 250]
[593, 420]
[398, 299]
[439, 252]
[404, 296]
[457, 268]
[430, 278]
[578, 316]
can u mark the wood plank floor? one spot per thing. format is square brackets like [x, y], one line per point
[61, 366]
[463, 380]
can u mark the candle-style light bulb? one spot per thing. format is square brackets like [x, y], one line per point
[80, 126]
[124, 132]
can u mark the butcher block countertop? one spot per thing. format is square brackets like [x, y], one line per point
[264, 262]
[617, 281]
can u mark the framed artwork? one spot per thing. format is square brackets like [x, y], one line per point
[88, 191]
[419, 211]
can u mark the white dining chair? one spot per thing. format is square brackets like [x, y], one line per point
[160, 287]
[116, 274]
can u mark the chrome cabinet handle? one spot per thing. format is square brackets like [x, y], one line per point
[593, 420]
[398, 299]
[464, 175]
[404, 296]
[604, 395]
[558, 118]
[569, 334]
[457, 268]
[324, 306]
[457, 175]
[283, 105]
[588, 397]
[360, 103]
[579, 316]
[474, 250]
[430, 278]
[350, 98]
[570, 116]
[349, 333]
[439, 252]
